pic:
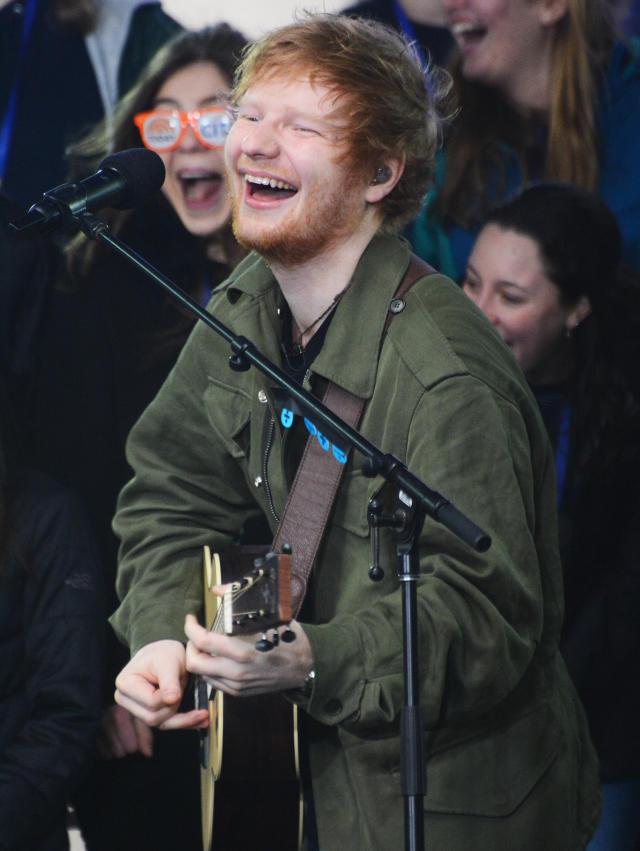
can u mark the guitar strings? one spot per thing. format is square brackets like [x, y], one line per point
[236, 591]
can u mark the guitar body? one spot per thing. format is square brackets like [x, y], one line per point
[250, 780]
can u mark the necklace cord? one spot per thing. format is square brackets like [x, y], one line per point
[325, 312]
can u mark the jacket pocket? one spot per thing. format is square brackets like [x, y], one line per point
[229, 413]
[492, 774]
[352, 501]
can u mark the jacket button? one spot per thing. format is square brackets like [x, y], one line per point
[262, 396]
[397, 305]
[333, 706]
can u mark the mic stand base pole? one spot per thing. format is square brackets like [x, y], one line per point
[413, 759]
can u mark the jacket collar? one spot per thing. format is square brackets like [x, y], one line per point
[349, 356]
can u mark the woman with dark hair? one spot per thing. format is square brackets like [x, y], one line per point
[195, 182]
[547, 271]
[50, 601]
[107, 341]
[546, 89]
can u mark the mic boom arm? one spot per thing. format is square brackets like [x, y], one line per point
[246, 354]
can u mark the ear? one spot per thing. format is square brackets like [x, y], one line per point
[387, 174]
[578, 313]
[552, 11]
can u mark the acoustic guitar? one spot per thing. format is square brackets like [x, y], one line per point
[249, 761]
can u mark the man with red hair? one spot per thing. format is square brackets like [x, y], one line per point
[332, 149]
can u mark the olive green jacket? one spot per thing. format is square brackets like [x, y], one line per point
[510, 763]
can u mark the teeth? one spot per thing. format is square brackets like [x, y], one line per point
[269, 181]
[466, 27]
[197, 175]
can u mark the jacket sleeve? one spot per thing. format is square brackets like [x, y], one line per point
[53, 715]
[188, 491]
[481, 616]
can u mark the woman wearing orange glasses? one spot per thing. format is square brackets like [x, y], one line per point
[177, 109]
[107, 341]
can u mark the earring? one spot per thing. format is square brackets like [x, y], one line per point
[568, 331]
[382, 175]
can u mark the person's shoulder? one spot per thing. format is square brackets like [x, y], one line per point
[447, 335]
[379, 10]
[46, 510]
[150, 27]
[41, 493]
[151, 18]
[437, 303]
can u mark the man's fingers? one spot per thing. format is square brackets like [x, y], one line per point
[151, 716]
[237, 648]
[197, 718]
[151, 685]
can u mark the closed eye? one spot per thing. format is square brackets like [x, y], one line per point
[512, 298]
[304, 130]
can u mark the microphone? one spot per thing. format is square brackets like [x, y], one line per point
[122, 181]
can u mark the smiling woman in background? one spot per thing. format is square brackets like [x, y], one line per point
[107, 340]
[546, 270]
[546, 90]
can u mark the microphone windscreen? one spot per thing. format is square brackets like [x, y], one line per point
[142, 171]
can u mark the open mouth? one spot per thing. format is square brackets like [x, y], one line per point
[468, 33]
[200, 188]
[268, 188]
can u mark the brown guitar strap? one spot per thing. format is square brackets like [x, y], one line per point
[316, 482]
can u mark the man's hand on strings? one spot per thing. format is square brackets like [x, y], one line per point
[234, 665]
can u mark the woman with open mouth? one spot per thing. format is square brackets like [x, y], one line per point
[546, 271]
[545, 89]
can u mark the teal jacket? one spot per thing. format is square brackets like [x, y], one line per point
[447, 246]
[510, 762]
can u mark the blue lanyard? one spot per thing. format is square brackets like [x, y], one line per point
[404, 24]
[406, 28]
[208, 288]
[562, 448]
[10, 111]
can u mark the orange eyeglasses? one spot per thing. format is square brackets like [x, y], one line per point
[163, 129]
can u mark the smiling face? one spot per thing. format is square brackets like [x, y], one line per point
[507, 44]
[195, 182]
[294, 195]
[506, 278]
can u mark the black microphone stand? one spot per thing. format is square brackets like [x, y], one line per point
[415, 501]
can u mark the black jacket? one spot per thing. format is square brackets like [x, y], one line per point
[50, 604]
[599, 522]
